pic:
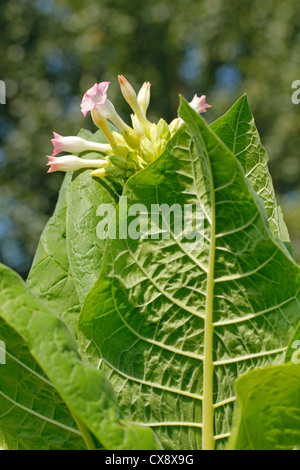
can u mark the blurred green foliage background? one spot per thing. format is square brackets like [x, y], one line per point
[52, 51]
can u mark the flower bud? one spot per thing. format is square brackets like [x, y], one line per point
[154, 134]
[117, 173]
[131, 138]
[175, 125]
[100, 173]
[143, 97]
[130, 96]
[163, 130]
[160, 148]
[113, 172]
[121, 163]
[119, 138]
[121, 150]
[148, 150]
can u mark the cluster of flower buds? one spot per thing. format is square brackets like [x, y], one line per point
[129, 149]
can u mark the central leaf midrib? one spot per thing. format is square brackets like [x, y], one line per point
[208, 440]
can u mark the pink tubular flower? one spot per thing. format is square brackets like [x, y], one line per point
[73, 163]
[76, 144]
[199, 104]
[57, 144]
[96, 101]
[94, 96]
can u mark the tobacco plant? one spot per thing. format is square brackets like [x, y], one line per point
[146, 342]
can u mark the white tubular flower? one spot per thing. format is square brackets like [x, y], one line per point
[73, 163]
[76, 144]
[143, 97]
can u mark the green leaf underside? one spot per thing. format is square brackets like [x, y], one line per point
[174, 327]
[84, 247]
[268, 415]
[238, 131]
[50, 277]
[84, 389]
[32, 414]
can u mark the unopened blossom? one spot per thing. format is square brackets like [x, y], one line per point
[148, 150]
[175, 125]
[99, 173]
[73, 163]
[199, 104]
[131, 138]
[130, 96]
[143, 97]
[76, 144]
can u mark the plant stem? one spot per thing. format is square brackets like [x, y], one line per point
[86, 435]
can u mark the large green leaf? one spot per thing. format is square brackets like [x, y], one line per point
[268, 415]
[84, 389]
[238, 131]
[50, 277]
[175, 325]
[32, 414]
[84, 247]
